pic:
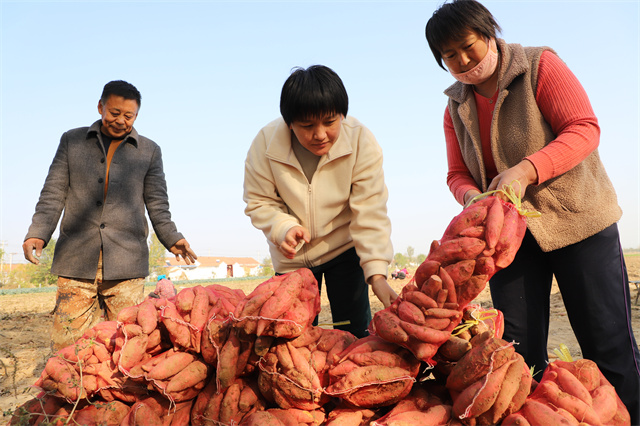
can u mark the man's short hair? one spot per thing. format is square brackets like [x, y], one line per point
[312, 92]
[120, 88]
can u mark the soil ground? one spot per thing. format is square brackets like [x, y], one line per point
[25, 322]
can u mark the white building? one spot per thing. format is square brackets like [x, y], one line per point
[210, 267]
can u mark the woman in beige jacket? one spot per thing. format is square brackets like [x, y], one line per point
[314, 185]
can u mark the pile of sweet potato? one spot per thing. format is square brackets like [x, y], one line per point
[294, 373]
[490, 382]
[282, 306]
[571, 393]
[215, 356]
[478, 242]
[372, 372]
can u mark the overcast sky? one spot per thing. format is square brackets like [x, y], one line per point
[211, 72]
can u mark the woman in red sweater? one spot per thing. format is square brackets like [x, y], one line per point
[519, 114]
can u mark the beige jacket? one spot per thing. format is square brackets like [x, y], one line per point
[574, 205]
[344, 205]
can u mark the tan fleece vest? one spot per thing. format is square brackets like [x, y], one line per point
[574, 205]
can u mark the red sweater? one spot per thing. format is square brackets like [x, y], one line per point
[564, 105]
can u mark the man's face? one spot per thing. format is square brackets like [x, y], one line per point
[118, 115]
[318, 134]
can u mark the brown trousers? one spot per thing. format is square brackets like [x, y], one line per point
[83, 303]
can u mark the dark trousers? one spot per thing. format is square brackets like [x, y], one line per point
[592, 278]
[347, 291]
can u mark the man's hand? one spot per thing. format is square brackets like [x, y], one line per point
[292, 239]
[519, 177]
[382, 290]
[29, 246]
[183, 249]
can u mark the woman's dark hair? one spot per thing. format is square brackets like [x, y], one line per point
[453, 20]
[312, 92]
[120, 88]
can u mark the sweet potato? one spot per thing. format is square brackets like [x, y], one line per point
[449, 284]
[175, 325]
[424, 334]
[383, 394]
[481, 395]
[605, 403]
[128, 315]
[147, 316]
[482, 358]
[454, 250]
[432, 286]
[254, 304]
[508, 243]
[184, 300]
[470, 216]
[585, 370]
[524, 389]
[213, 407]
[200, 308]
[420, 299]
[409, 312]
[474, 232]
[189, 376]
[310, 336]
[538, 413]
[388, 359]
[170, 365]
[574, 405]
[262, 418]
[387, 326]
[426, 269]
[455, 348]
[229, 406]
[460, 271]
[301, 365]
[515, 419]
[472, 288]
[283, 297]
[508, 389]
[227, 361]
[133, 351]
[494, 223]
[570, 384]
[485, 266]
[424, 351]
[436, 415]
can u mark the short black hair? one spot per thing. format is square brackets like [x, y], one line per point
[120, 88]
[312, 92]
[452, 20]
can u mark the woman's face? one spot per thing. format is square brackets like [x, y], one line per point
[318, 134]
[462, 55]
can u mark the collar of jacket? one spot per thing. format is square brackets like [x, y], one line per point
[279, 146]
[94, 130]
[512, 59]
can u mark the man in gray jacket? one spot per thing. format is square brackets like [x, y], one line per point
[102, 177]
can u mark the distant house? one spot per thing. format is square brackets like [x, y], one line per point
[209, 267]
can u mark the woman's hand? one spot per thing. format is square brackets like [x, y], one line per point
[382, 290]
[470, 194]
[519, 177]
[292, 239]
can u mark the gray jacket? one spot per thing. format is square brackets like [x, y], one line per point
[117, 224]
